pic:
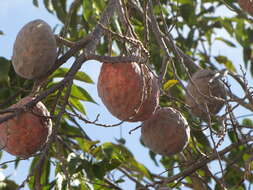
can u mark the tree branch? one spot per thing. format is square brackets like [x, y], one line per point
[203, 161]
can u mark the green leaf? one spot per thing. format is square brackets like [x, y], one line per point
[238, 153]
[240, 33]
[31, 182]
[247, 122]
[168, 162]
[34, 162]
[87, 9]
[98, 185]
[101, 168]
[48, 5]
[4, 92]
[188, 13]
[8, 185]
[87, 165]
[203, 142]
[81, 76]
[35, 2]
[16, 163]
[227, 24]
[247, 54]
[81, 94]
[77, 104]
[121, 141]
[226, 62]
[5, 166]
[140, 168]
[119, 152]
[246, 157]
[153, 157]
[100, 5]
[73, 164]
[60, 10]
[68, 129]
[4, 69]
[86, 145]
[169, 84]
[232, 176]
[227, 42]
[45, 172]
[232, 136]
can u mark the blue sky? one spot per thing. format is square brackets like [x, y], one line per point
[14, 14]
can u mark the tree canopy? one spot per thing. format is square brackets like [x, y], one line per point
[174, 39]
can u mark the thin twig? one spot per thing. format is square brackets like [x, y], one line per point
[203, 161]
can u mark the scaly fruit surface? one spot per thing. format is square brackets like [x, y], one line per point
[34, 50]
[26, 133]
[129, 91]
[204, 92]
[246, 5]
[166, 133]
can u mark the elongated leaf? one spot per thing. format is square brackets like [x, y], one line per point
[140, 168]
[86, 145]
[48, 5]
[119, 152]
[80, 75]
[227, 24]
[8, 185]
[226, 62]
[99, 4]
[73, 164]
[101, 168]
[202, 140]
[188, 13]
[232, 136]
[169, 84]
[87, 9]
[35, 2]
[60, 10]
[247, 122]
[240, 33]
[4, 69]
[153, 157]
[68, 129]
[81, 94]
[168, 162]
[4, 92]
[78, 105]
[227, 42]
[232, 177]
[45, 172]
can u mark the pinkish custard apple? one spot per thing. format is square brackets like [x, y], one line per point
[34, 50]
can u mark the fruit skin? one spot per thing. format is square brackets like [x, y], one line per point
[122, 88]
[26, 133]
[166, 133]
[246, 5]
[34, 50]
[216, 88]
